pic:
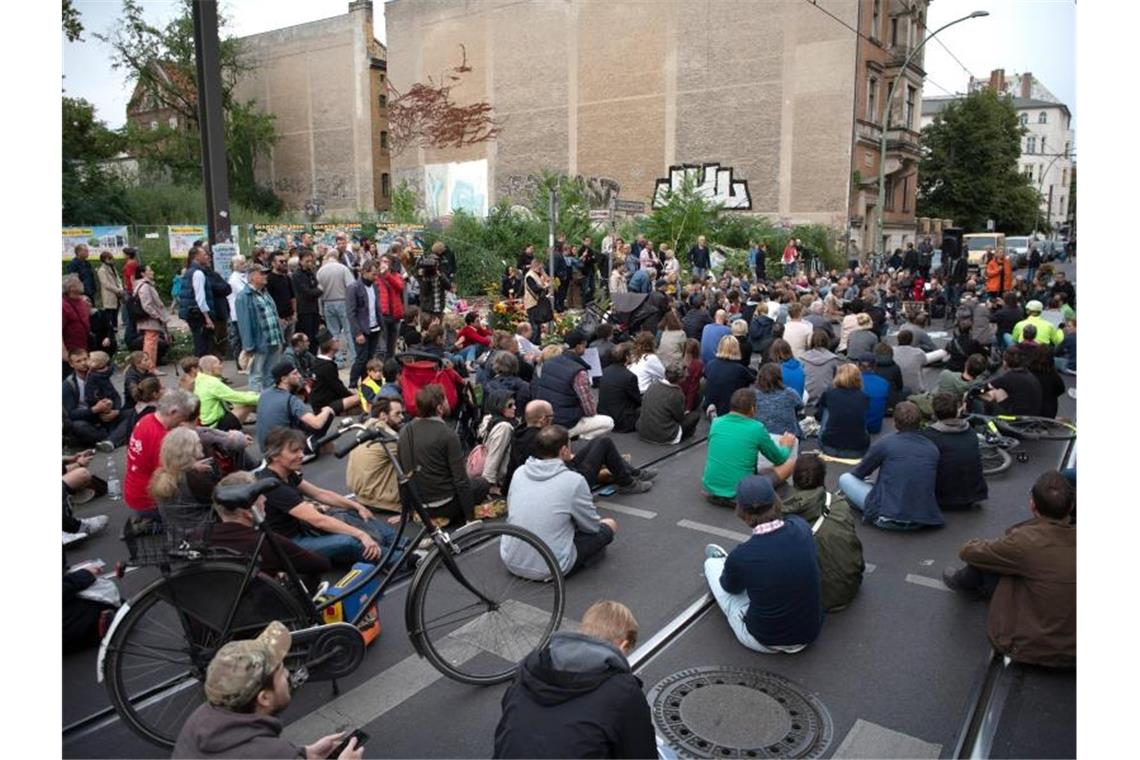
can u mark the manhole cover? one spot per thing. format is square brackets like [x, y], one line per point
[737, 712]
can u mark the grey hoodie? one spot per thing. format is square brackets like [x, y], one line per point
[819, 372]
[551, 501]
[217, 732]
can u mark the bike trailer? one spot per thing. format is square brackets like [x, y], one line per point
[349, 596]
[420, 370]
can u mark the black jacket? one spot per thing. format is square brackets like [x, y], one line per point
[662, 413]
[308, 292]
[575, 697]
[886, 368]
[695, 321]
[327, 385]
[619, 397]
[960, 482]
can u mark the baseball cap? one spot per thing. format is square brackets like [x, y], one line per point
[755, 492]
[281, 369]
[238, 670]
[1034, 305]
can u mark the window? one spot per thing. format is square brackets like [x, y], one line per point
[908, 117]
[1064, 177]
[385, 185]
[1031, 144]
[906, 194]
[894, 32]
[173, 122]
[1066, 150]
[1024, 119]
[1043, 143]
[383, 101]
[384, 140]
[1061, 206]
[876, 15]
[872, 93]
[1042, 118]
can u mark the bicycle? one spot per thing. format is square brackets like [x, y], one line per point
[992, 445]
[465, 613]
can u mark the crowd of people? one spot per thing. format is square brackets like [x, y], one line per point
[771, 362]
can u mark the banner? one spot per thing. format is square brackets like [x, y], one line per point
[276, 237]
[386, 234]
[326, 233]
[183, 237]
[97, 240]
[223, 254]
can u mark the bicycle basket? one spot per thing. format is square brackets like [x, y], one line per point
[181, 535]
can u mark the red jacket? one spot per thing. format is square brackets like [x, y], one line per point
[472, 334]
[390, 289]
[76, 322]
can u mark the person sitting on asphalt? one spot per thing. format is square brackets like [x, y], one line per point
[735, 440]
[662, 416]
[960, 483]
[370, 474]
[247, 687]
[916, 326]
[235, 530]
[776, 404]
[769, 586]
[911, 359]
[878, 392]
[429, 447]
[592, 458]
[711, 335]
[1066, 356]
[725, 375]
[328, 390]
[1028, 338]
[175, 407]
[577, 695]
[644, 361]
[791, 369]
[279, 406]
[1030, 577]
[862, 338]
[959, 383]
[1015, 390]
[222, 407]
[889, 370]
[1006, 318]
[505, 377]
[962, 345]
[618, 394]
[99, 385]
[696, 318]
[671, 346]
[837, 545]
[565, 383]
[819, 365]
[85, 621]
[1047, 333]
[552, 501]
[86, 424]
[185, 475]
[903, 496]
[496, 434]
[298, 352]
[1042, 366]
[317, 519]
[139, 368]
[603, 342]
[842, 412]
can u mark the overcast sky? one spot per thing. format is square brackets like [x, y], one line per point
[1019, 35]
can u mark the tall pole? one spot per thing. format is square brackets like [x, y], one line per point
[211, 120]
[1040, 182]
[553, 216]
[887, 117]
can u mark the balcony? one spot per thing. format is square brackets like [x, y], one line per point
[903, 140]
[868, 133]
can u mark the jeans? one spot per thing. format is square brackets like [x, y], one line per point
[856, 489]
[336, 320]
[588, 285]
[391, 333]
[261, 368]
[590, 547]
[789, 270]
[129, 330]
[203, 338]
[364, 352]
[734, 607]
[700, 273]
[1031, 274]
[340, 547]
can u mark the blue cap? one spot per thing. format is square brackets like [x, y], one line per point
[755, 491]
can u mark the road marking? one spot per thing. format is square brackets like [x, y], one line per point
[867, 739]
[922, 580]
[411, 675]
[634, 511]
[868, 568]
[722, 532]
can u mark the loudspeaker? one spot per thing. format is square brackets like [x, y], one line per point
[951, 243]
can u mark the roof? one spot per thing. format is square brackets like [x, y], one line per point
[174, 76]
[934, 106]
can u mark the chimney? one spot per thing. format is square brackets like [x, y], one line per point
[1026, 84]
[361, 5]
[997, 80]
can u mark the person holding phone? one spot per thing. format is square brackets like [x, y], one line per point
[247, 687]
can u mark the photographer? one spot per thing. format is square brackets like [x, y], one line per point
[433, 284]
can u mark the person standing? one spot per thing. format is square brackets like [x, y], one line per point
[999, 273]
[364, 320]
[536, 299]
[260, 329]
[788, 259]
[334, 279]
[308, 295]
[76, 318]
[157, 317]
[280, 288]
[237, 282]
[111, 293]
[130, 275]
[81, 267]
[196, 300]
[390, 288]
[700, 259]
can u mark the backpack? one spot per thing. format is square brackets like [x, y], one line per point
[135, 308]
[476, 458]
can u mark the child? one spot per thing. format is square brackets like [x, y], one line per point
[139, 367]
[370, 385]
[392, 371]
[99, 385]
[694, 370]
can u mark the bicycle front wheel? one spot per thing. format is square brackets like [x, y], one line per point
[995, 460]
[1036, 428]
[157, 655]
[476, 621]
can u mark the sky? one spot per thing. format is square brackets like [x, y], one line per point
[1019, 35]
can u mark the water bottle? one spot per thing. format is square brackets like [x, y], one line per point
[114, 487]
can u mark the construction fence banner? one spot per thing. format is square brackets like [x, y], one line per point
[326, 233]
[97, 240]
[223, 256]
[182, 238]
[276, 237]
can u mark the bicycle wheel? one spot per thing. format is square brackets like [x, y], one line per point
[1036, 428]
[157, 656]
[482, 642]
[995, 459]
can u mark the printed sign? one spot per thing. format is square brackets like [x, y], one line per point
[97, 240]
[276, 237]
[326, 233]
[223, 256]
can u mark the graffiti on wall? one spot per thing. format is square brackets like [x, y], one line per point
[714, 182]
[455, 186]
[521, 188]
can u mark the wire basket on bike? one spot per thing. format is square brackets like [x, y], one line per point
[181, 533]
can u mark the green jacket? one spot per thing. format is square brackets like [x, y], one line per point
[215, 394]
[838, 547]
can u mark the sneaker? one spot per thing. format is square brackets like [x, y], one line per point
[713, 551]
[710, 412]
[105, 447]
[637, 486]
[950, 578]
[93, 525]
[645, 473]
[71, 538]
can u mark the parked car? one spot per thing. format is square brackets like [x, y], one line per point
[1018, 249]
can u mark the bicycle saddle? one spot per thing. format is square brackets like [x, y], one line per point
[243, 496]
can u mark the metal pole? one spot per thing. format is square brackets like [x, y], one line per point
[887, 118]
[211, 120]
[553, 216]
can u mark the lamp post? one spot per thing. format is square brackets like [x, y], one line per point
[1040, 181]
[887, 116]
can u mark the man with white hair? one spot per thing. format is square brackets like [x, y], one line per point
[818, 321]
[237, 282]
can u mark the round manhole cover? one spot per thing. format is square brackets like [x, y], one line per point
[738, 712]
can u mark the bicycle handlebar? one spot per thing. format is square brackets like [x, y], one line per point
[364, 435]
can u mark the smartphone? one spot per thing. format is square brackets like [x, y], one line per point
[361, 738]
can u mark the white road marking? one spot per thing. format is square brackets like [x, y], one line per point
[922, 580]
[722, 532]
[867, 739]
[868, 568]
[634, 511]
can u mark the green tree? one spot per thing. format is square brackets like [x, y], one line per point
[72, 26]
[404, 204]
[683, 215]
[968, 170]
[573, 205]
[161, 61]
[91, 193]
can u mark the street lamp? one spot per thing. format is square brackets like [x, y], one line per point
[887, 115]
[1040, 182]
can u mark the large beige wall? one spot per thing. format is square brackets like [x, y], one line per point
[625, 88]
[314, 77]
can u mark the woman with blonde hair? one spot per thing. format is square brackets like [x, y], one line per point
[842, 412]
[184, 475]
[724, 375]
[646, 364]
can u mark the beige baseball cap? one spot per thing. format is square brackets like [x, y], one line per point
[238, 670]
